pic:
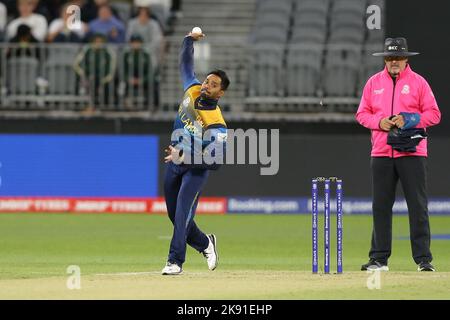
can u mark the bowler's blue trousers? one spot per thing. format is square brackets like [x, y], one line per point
[182, 188]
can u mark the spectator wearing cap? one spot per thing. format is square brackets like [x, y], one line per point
[25, 40]
[36, 22]
[148, 29]
[59, 30]
[95, 66]
[107, 24]
[137, 71]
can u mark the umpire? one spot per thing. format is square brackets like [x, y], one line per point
[398, 103]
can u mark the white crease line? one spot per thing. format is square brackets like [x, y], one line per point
[187, 273]
[128, 273]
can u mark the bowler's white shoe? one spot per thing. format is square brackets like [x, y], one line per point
[171, 269]
[210, 253]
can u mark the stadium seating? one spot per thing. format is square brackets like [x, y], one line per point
[324, 48]
[283, 6]
[59, 65]
[270, 34]
[266, 69]
[161, 14]
[276, 18]
[308, 35]
[271, 48]
[54, 72]
[341, 70]
[272, 22]
[349, 6]
[346, 34]
[22, 73]
[312, 7]
[347, 22]
[304, 63]
[123, 9]
[370, 64]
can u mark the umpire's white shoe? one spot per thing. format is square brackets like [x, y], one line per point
[210, 253]
[171, 269]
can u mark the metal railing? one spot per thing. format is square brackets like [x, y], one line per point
[243, 63]
[114, 79]
[77, 77]
[228, 54]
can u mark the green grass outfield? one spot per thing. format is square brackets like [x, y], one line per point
[261, 257]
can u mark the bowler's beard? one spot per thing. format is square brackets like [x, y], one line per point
[204, 96]
[207, 101]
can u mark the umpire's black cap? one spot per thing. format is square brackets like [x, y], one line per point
[395, 47]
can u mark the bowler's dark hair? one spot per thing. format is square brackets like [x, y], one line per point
[223, 76]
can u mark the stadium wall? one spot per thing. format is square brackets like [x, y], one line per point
[425, 25]
[302, 156]
[305, 156]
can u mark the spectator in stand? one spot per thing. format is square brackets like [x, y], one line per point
[50, 9]
[3, 17]
[44, 8]
[89, 9]
[176, 6]
[96, 66]
[166, 4]
[24, 40]
[137, 64]
[41, 7]
[108, 25]
[160, 9]
[148, 29]
[85, 14]
[59, 30]
[175, 13]
[36, 22]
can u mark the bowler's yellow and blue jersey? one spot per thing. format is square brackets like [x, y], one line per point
[196, 112]
[184, 183]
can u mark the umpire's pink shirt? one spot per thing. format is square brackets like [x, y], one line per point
[381, 99]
